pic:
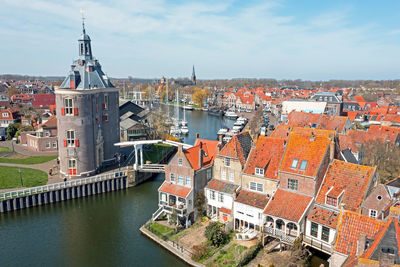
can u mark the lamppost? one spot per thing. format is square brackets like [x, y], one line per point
[20, 176]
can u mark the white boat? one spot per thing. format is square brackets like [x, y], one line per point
[238, 123]
[222, 131]
[226, 139]
[231, 115]
[234, 131]
[188, 107]
[237, 127]
[184, 130]
[242, 119]
[204, 109]
[184, 122]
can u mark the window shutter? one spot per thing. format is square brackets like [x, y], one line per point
[74, 171]
[104, 117]
[77, 143]
[65, 143]
[103, 106]
[70, 171]
[75, 111]
[63, 111]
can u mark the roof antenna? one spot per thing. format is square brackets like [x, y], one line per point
[83, 20]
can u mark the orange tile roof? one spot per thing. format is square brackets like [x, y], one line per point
[353, 224]
[281, 131]
[380, 235]
[323, 216]
[320, 121]
[351, 178]
[51, 123]
[221, 186]
[238, 147]
[282, 205]
[267, 155]
[391, 132]
[355, 138]
[253, 199]
[225, 210]
[210, 149]
[174, 189]
[305, 147]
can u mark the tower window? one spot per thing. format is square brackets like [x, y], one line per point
[81, 49]
[72, 166]
[105, 101]
[70, 138]
[69, 107]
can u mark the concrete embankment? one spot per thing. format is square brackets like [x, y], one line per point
[166, 244]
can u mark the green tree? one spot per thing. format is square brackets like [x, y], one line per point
[173, 218]
[11, 130]
[215, 235]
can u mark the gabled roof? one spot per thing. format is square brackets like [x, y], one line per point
[320, 121]
[267, 155]
[238, 147]
[350, 179]
[253, 199]
[221, 186]
[51, 123]
[392, 133]
[174, 189]
[210, 149]
[310, 147]
[348, 156]
[324, 216]
[351, 225]
[288, 205]
[387, 237]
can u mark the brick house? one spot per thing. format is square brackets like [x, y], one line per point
[228, 167]
[8, 116]
[377, 202]
[186, 175]
[43, 139]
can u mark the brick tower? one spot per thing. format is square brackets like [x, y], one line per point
[87, 115]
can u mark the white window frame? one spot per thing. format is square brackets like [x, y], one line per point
[188, 181]
[305, 162]
[72, 164]
[223, 175]
[227, 162]
[5, 114]
[55, 144]
[212, 194]
[71, 138]
[259, 171]
[48, 145]
[253, 186]
[370, 213]
[220, 197]
[180, 179]
[69, 106]
[293, 165]
[231, 177]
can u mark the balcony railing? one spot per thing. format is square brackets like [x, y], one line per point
[279, 234]
[180, 209]
[317, 244]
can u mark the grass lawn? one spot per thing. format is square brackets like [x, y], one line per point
[230, 257]
[28, 160]
[5, 149]
[157, 152]
[9, 177]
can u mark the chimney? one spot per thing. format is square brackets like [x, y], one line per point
[219, 143]
[361, 244]
[201, 155]
[312, 138]
[180, 148]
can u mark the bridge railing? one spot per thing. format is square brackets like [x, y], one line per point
[56, 186]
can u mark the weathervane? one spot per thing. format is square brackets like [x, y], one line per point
[83, 20]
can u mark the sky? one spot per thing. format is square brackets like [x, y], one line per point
[281, 39]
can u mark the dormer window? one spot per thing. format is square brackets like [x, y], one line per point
[259, 171]
[303, 165]
[227, 162]
[332, 201]
[294, 163]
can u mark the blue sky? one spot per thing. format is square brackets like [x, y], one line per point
[280, 39]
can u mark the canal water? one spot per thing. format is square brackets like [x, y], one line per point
[100, 230]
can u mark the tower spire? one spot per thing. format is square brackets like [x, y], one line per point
[83, 21]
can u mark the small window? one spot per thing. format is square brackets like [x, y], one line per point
[325, 234]
[303, 165]
[105, 101]
[47, 133]
[293, 184]
[48, 145]
[231, 177]
[220, 197]
[259, 187]
[212, 195]
[259, 171]
[331, 201]
[180, 161]
[180, 179]
[172, 177]
[294, 163]
[373, 213]
[188, 181]
[55, 144]
[227, 162]
[253, 186]
[314, 229]
[68, 106]
[223, 175]
[70, 138]
[379, 197]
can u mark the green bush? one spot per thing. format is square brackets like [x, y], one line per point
[250, 255]
[215, 234]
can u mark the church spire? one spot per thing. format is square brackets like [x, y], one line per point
[193, 76]
[83, 21]
[85, 49]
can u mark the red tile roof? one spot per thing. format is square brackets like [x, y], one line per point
[320, 121]
[308, 147]
[210, 149]
[253, 199]
[391, 132]
[51, 123]
[288, 205]
[351, 179]
[350, 227]
[238, 147]
[174, 189]
[225, 210]
[221, 186]
[267, 155]
[323, 216]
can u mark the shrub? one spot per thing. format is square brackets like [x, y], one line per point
[199, 252]
[250, 255]
[215, 234]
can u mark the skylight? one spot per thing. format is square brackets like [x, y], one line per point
[303, 165]
[294, 163]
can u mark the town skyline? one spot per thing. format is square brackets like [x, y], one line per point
[228, 40]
